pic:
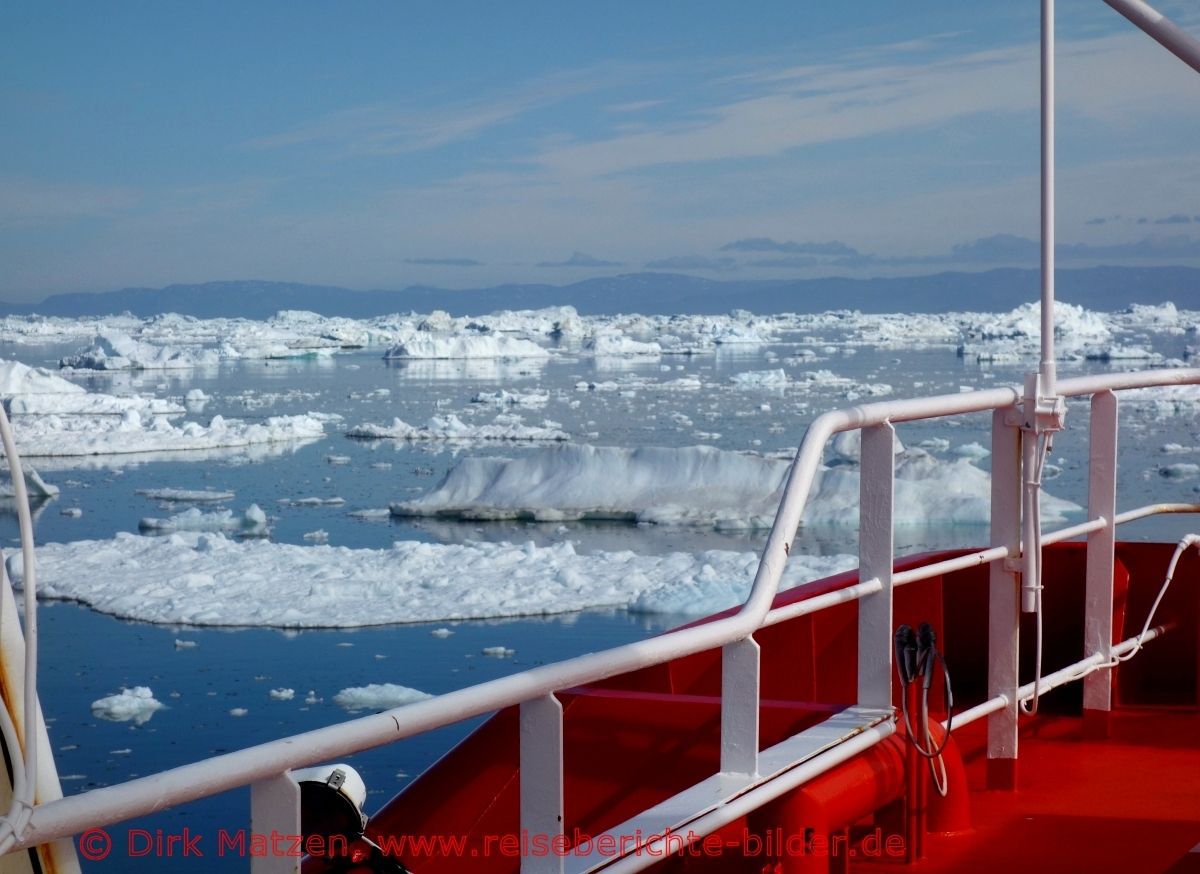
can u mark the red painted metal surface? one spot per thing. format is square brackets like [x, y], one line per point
[636, 739]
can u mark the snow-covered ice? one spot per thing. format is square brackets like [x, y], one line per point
[451, 429]
[117, 351]
[131, 433]
[35, 486]
[251, 523]
[134, 705]
[697, 485]
[211, 579]
[421, 345]
[186, 496]
[377, 696]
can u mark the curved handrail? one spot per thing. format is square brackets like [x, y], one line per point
[148, 794]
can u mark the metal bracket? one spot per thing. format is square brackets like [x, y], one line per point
[1041, 413]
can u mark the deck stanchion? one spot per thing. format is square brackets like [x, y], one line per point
[739, 707]
[875, 551]
[1101, 563]
[1004, 598]
[542, 781]
[275, 809]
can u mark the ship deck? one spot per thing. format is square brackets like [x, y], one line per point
[1122, 796]
[1128, 803]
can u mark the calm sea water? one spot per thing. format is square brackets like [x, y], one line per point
[87, 656]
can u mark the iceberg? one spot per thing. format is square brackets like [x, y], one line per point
[377, 696]
[425, 345]
[134, 705]
[117, 351]
[699, 485]
[451, 429]
[59, 436]
[252, 523]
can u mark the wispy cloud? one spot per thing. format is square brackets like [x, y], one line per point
[766, 244]
[400, 128]
[777, 110]
[1010, 249]
[445, 262]
[693, 262]
[581, 259]
[27, 202]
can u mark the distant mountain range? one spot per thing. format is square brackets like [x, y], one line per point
[1098, 288]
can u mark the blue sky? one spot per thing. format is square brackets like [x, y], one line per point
[377, 145]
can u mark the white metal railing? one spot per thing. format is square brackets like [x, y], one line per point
[264, 765]
[1014, 534]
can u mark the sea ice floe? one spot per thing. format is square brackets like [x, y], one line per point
[283, 694]
[186, 496]
[214, 580]
[251, 523]
[377, 696]
[531, 400]
[777, 378]
[1182, 470]
[134, 705]
[1162, 401]
[131, 433]
[451, 429]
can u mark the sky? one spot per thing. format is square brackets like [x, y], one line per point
[463, 145]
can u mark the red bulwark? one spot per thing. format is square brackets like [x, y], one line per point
[1118, 795]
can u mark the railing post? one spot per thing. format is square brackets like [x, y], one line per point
[875, 547]
[542, 781]
[1101, 561]
[739, 707]
[1004, 598]
[275, 809]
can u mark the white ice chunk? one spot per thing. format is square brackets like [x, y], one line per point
[452, 429]
[253, 522]
[378, 696]
[611, 344]
[134, 705]
[188, 496]
[424, 345]
[117, 351]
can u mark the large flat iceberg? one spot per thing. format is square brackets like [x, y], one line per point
[57, 436]
[697, 485]
[211, 579]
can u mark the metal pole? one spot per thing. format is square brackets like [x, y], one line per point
[1047, 366]
[1160, 28]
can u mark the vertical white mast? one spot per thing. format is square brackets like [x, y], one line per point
[1047, 366]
